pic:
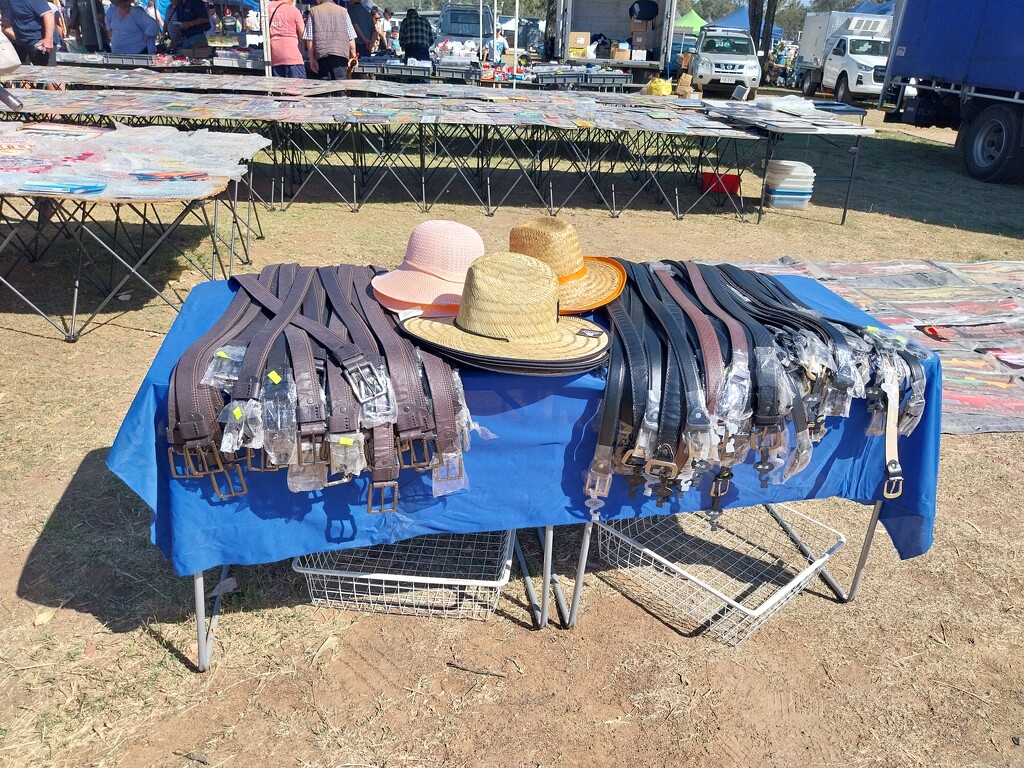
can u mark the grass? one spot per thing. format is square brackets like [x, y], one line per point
[924, 669]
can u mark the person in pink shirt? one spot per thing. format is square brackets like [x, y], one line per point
[286, 28]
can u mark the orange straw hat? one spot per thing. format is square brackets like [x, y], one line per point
[509, 312]
[433, 273]
[584, 282]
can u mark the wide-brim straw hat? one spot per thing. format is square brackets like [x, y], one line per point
[509, 312]
[584, 282]
[433, 273]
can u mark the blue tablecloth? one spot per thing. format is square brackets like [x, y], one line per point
[530, 474]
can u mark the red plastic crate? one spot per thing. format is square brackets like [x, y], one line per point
[726, 182]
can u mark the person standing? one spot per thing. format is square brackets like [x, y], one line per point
[362, 20]
[29, 25]
[380, 37]
[416, 36]
[330, 40]
[495, 47]
[131, 30]
[194, 21]
[286, 31]
[172, 26]
[85, 18]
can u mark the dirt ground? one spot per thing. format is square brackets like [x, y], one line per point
[925, 668]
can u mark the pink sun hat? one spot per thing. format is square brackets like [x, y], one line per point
[433, 273]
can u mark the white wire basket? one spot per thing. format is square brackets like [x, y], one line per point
[726, 582]
[442, 575]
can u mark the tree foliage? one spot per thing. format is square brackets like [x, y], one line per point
[790, 17]
[832, 5]
[710, 10]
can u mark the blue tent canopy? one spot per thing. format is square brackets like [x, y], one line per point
[869, 6]
[740, 19]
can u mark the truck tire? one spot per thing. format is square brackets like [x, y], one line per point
[843, 93]
[808, 87]
[991, 144]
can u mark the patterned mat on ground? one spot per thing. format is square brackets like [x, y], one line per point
[971, 314]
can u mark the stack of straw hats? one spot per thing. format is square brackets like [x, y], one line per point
[508, 322]
[502, 311]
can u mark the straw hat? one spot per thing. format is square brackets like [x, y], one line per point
[509, 312]
[433, 273]
[584, 282]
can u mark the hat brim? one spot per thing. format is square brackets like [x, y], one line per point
[577, 368]
[577, 340]
[427, 310]
[418, 288]
[604, 281]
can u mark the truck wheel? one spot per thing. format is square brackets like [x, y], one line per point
[991, 144]
[843, 90]
[808, 87]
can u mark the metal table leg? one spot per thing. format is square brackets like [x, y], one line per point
[206, 636]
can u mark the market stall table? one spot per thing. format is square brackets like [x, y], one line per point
[529, 475]
[57, 180]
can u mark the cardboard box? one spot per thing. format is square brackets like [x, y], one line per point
[638, 27]
[642, 41]
[577, 53]
[579, 39]
[639, 55]
[620, 54]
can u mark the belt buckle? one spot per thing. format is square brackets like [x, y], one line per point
[367, 384]
[220, 468]
[385, 506]
[893, 488]
[720, 486]
[263, 465]
[345, 477]
[453, 469]
[666, 470]
[597, 484]
[420, 464]
[173, 452]
[319, 450]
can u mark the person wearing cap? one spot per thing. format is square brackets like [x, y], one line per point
[330, 40]
[416, 36]
[495, 47]
[29, 25]
[286, 32]
[131, 30]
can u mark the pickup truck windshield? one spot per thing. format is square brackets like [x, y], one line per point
[869, 47]
[738, 46]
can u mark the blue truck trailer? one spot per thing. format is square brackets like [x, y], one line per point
[966, 62]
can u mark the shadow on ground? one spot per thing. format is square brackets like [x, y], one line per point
[94, 556]
[45, 271]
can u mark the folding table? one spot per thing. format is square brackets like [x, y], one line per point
[529, 476]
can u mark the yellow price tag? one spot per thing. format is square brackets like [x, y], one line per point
[237, 413]
[346, 441]
[274, 376]
[222, 354]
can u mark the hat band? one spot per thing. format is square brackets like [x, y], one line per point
[581, 272]
[464, 329]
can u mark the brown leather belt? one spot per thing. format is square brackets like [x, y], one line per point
[318, 342]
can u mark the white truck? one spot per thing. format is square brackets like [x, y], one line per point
[843, 52]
